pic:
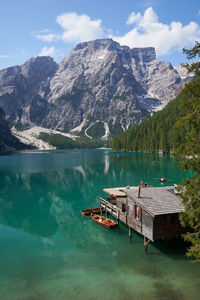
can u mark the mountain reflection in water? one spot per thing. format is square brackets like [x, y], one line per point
[49, 248]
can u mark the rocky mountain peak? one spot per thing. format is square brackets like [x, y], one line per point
[43, 65]
[96, 44]
[146, 54]
[21, 87]
[99, 89]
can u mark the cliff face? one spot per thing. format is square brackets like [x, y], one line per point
[98, 90]
[24, 90]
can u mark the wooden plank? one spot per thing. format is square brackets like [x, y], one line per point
[117, 191]
[147, 225]
[157, 201]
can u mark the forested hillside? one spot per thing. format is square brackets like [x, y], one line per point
[62, 142]
[7, 140]
[154, 134]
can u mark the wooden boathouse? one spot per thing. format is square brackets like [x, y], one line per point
[153, 212]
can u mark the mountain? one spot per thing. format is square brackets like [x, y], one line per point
[98, 90]
[24, 90]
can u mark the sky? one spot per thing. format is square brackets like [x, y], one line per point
[29, 28]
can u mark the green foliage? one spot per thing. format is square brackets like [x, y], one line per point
[21, 127]
[61, 142]
[7, 140]
[37, 111]
[123, 96]
[75, 95]
[190, 218]
[192, 53]
[97, 130]
[115, 128]
[190, 147]
[189, 155]
[154, 134]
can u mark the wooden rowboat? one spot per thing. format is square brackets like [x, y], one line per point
[89, 211]
[103, 221]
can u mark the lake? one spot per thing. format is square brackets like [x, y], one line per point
[48, 250]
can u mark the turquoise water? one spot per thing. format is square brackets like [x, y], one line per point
[49, 251]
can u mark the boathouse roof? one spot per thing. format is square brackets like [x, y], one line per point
[158, 200]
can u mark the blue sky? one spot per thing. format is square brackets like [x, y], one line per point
[53, 27]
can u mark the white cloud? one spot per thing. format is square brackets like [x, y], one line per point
[4, 56]
[47, 51]
[46, 35]
[50, 37]
[133, 18]
[149, 32]
[51, 51]
[76, 29]
[149, 3]
[79, 28]
[43, 31]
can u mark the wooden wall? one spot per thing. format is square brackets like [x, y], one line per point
[167, 226]
[147, 225]
[144, 224]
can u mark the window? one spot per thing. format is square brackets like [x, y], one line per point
[137, 212]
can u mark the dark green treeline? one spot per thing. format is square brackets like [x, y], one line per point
[154, 134]
[7, 140]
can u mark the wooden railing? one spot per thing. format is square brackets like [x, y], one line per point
[119, 215]
[113, 210]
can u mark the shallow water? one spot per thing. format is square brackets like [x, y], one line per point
[49, 251]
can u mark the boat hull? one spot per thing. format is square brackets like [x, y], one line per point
[89, 211]
[105, 222]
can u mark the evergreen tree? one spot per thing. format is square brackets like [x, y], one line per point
[154, 134]
[189, 155]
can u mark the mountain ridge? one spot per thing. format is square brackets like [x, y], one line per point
[100, 88]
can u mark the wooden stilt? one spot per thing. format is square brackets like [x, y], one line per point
[146, 241]
[101, 209]
[130, 233]
[106, 213]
